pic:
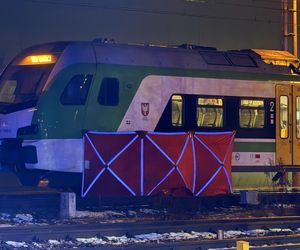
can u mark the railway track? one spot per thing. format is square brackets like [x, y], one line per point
[72, 231]
[48, 200]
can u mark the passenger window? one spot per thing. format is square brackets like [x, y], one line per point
[177, 104]
[75, 93]
[252, 113]
[109, 92]
[284, 117]
[210, 112]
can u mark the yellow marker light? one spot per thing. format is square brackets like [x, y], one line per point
[38, 59]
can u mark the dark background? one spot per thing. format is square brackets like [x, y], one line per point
[225, 24]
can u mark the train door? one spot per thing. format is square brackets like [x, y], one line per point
[296, 133]
[296, 125]
[288, 127]
[284, 147]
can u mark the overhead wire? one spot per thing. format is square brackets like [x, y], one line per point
[240, 5]
[153, 11]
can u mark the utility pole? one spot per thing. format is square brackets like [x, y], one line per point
[285, 25]
[284, 18]
[295, 31]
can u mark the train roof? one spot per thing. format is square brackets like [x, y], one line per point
[188, 56]
[185, 56]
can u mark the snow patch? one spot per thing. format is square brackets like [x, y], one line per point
[149, 211]
[150, 236]
[233, 233]
[93, 241]
[278, 230]
[16, 244]
[131, 213]
[23, 218]
[54, 242]
[257, 232]
[37, 245]
[5, 216]
[114, 240]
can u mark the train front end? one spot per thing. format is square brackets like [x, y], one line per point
[22, 83]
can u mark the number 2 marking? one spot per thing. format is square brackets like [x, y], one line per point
[272, 104]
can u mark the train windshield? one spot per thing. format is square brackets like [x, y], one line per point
[23, 83]
[24, 79]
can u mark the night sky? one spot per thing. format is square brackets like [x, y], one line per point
[225, 24]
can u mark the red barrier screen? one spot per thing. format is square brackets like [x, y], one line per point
[143, 164]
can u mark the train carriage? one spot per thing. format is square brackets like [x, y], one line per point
[51, 94]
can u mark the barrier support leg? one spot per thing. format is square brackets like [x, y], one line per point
[67, 205]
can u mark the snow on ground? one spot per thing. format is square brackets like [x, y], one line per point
[23, 218]
[54, 242]
[256, 232]
[147, 238]
[280, 230]
[138, 239]
[112, 240]
[16, 244]
[109, 216]
[5, 216]
[92, 241]
[149, 211]
[233, 234]
[8, 220]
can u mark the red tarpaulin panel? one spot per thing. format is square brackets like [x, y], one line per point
[162, 152]
[142, 164]
[109, 149]
[213, 160]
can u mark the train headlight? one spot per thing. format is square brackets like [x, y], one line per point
[38, 59]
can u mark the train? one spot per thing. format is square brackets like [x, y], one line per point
[51, 94]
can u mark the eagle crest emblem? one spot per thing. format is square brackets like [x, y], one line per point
[145, 106]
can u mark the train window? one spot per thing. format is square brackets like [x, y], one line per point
[284, 117]
[210, 112]
[252, 113]
[298, 117]
[177, 104]
[109, 92]
[21, 84]
[75, 93]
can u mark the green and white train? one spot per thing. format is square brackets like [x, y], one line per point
[51, 94]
